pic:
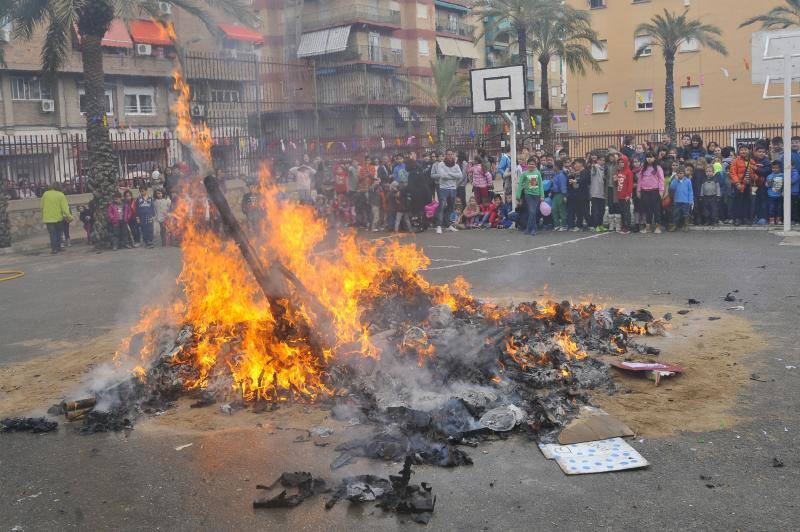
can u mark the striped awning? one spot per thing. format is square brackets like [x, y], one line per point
[457, 48]
[323, 42]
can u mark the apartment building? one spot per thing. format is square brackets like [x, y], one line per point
[710, 89]
[366, 59]
[39, 118]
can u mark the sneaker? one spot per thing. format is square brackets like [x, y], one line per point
[624, 232]
[575, 229]
[453, 228]
[439, 230]
[685, 228]
[761, 221]
[657, 231]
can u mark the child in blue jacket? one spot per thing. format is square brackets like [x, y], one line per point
[680, 188]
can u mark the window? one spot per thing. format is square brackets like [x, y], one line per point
[422, 10]
[555, 64]
[644, 99]
[29, 88]
[554, 92]
[396, 44]
[422, 45]
[225, 96]
[109, 101]
[600, 102]
[639, 42]
[596, 4]
[394, 6]
[690, 45]
[140, 101]
[600, 53]
[690, 97]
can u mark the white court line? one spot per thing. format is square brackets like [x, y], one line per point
[443, 247]
[447, 260]
[521, 252]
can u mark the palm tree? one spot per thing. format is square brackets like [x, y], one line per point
[669, 31]
[558, 30]
[518, 14]
[5, 223]
[780, 17]
[92, 18]
[448, 85]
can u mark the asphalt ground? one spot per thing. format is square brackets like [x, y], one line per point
[139, 481]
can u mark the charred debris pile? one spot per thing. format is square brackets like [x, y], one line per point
[447, 375]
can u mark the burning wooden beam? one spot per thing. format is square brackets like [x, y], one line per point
[270, 278]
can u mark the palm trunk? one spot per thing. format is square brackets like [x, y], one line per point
[547, 118]
[5, 221]
[95, 18]
[440, 118]
[670, 125]
[522, 41]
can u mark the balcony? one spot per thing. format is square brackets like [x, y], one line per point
[356, 87]
[351, 14]
[455, 28]
[363, 54]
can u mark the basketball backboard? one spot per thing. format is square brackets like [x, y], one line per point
[769, 49]
[498, 90]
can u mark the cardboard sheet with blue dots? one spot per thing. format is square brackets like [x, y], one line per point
[600, 456]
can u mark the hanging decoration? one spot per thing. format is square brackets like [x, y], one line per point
[328, 146]
[410, 139]
[283, 146]
[472, 134]
[292, 145]
[572, 115]
[383, 144]
[430, 138]
[305, 145]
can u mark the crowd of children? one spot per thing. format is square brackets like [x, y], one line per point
[633, 188]
[629, 188]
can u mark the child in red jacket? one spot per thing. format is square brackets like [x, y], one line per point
[623, 190]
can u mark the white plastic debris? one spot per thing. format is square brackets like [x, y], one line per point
[184, 446]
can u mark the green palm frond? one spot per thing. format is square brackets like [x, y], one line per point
[670, 30]
[780, 17]
[448, 84]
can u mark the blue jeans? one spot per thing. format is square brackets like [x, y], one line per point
[147, 231]
[680, 214]
[447, 201]
[55, 235]
[533, 211]
[775, 207]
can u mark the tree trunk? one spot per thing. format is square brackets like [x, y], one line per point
[5, 221]
[94, 20]
[547, 118]
[670, 126]
[522, 41]
[440, 118]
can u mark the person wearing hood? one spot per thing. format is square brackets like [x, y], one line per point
[619, 194]
[448, 174]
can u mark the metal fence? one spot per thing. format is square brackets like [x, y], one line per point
[29, 164]
[581, 144]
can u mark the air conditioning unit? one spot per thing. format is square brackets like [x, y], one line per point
[197, 110]
[165, 7]
[48, 106]
[144, 49]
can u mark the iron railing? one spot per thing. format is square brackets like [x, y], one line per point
[347, 14]
[582, 143]
[363, 53]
